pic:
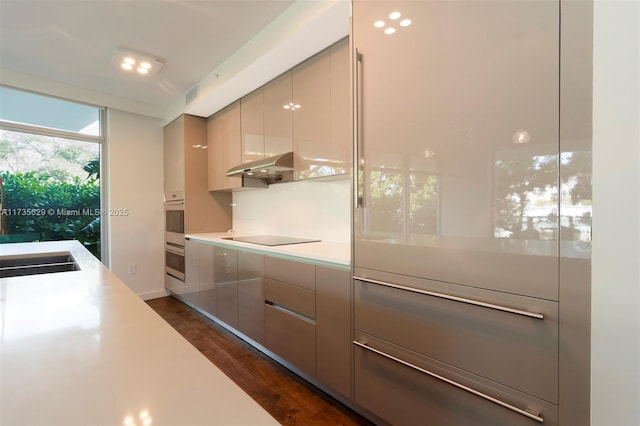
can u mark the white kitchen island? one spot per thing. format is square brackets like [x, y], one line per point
[80, 348]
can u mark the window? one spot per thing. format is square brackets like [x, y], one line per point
[50, 157]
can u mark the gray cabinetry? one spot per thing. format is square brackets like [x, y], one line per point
[251, 295]
[225, 272]
[252, 124]
[173, 143]
[509, 339]
[333, 329]
[224, 145]
[290, 312]
[191, 273]
[467, 215]
[278, 123]
[460, 172]
[321, 124]
[405, 388]
[207, 299]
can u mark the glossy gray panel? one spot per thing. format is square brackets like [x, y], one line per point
[251, 295]
[509, 348]
[576, 77]
[293, 298]
[292, 338]
[333, 329]
[291, 272]
[403, 395]
[226, 283]
[459, 142]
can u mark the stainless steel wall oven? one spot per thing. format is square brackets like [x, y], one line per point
[174, 239]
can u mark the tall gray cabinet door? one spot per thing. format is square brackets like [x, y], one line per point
[251, 295]
[207, 289]
[458, 141]
[191, 272]
[226, 284]
[333, 329]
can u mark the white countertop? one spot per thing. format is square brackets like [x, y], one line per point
[330, 253]
[80, 348]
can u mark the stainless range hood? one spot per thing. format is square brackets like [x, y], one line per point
[278, 168]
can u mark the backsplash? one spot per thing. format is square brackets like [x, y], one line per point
[310, 209]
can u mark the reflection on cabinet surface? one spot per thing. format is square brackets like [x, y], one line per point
[173, 143]
[333, 329]
[224, 138]
[468, 180]
[404, 388]
[251, 295]
[252, 118]
[225, 278]
[321, 124]
[185, 169]
[278, 123]
[290, 326]
[299, 311]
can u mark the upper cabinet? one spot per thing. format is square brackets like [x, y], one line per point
[459, 152]
[185, 176]
[305, 110]
[278, 122]
[224, 139]
[173, 138]
[252, 124]
[320, 110]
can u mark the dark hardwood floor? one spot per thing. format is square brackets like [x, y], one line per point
[288, 398]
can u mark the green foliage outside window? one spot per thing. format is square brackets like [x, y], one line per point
[36, 202]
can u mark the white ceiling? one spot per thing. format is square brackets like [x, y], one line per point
[73, 41]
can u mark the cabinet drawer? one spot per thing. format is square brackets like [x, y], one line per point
[290, 297]
[291, 272]
[291, 337]
[399, 387]
[508, 347]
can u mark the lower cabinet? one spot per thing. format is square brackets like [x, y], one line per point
[299, 311]
[190, 290]
[251, 295]
[405, 388]
[225, 272]
[429, 352]
[292, 337]
[333, 329]
[290, 310]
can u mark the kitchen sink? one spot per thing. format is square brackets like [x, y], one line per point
[38, 263]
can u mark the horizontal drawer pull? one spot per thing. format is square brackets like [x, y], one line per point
[454, 298]
[290, 312]
[451, 382]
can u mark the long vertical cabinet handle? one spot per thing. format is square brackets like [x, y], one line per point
[357, 129]
[451, 382]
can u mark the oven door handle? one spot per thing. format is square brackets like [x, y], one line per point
[175, 249]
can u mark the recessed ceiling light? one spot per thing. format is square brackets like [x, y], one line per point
[129, 60]
[394, 15]
[390, 31]
[378, 24]
[405, 22]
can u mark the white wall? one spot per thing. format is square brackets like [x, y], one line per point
[615, 321]
[135, 182]
[309, 209]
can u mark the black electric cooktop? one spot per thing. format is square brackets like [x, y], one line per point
[271, 240]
